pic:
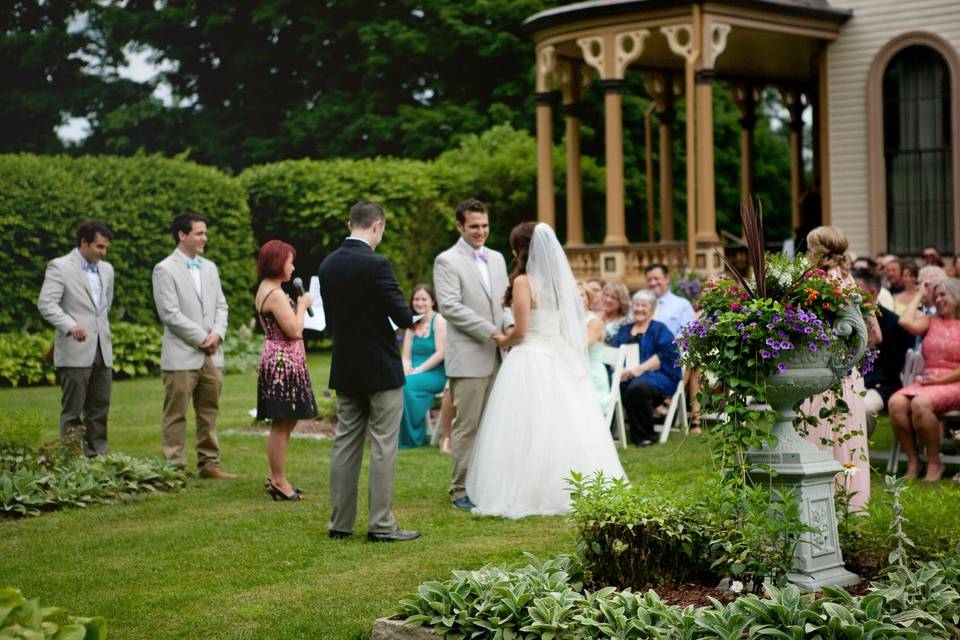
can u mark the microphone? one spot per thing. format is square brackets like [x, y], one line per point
[298, 285]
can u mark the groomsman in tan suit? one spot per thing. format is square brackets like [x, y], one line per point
[191, 305]
[470, 281]
[75, 298]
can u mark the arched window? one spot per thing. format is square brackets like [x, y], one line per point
[917, 151]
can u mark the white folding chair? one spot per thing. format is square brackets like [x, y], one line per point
[616, 358]
[677, 413]
[432, 422]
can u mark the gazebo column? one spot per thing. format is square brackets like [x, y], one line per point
[610, 54]
[546, 208]
[613, 127]
[706, 186]
[793, 100]
[574, 177]
[713, 40]
[746, 97]
[666, 174]
[683, 41]
[571, 80]
[663, 90]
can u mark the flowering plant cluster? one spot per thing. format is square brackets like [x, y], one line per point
[741, 335]
[688, 286]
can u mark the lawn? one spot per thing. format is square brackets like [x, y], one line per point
[221, 560]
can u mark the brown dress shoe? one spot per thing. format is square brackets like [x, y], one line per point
[216, 473]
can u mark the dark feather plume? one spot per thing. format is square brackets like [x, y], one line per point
[753, 230]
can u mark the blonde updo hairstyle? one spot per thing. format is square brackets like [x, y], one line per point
[829, 246]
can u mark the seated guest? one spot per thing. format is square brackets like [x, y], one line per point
[908, 273]
[595, 287]
[672, 310]
[884, 378]
[931, 256]
[615, 304]
[884, 298]
[598, 371]
[423, 349]
[953, 269]
[914, 408]
[656, 377]
[925, 279]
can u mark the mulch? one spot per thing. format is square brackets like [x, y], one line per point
[321, 428]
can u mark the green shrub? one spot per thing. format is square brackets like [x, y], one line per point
[20, 429]
[136, 353]
[54, 477]
[21, 359]
[544, 600]
[241, 353]
[645, 534]
[22, 618]
[307, 203]
[42, 199]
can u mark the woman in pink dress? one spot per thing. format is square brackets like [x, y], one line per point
[914, 409]
[845, 434]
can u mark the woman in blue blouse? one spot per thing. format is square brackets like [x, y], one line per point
[645, 386]
[423, 351]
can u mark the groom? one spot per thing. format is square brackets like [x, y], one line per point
[360, 296]
[470, 281]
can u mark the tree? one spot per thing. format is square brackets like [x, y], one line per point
[279, 78]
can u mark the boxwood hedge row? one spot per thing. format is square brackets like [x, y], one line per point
[43, 198]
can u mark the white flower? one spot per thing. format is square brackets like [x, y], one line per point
[736, 586]
[850, 469]
[712, 378]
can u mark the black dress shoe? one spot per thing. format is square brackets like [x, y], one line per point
[339, 535]
[396, 536]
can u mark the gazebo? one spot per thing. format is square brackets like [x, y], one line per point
[680, 48]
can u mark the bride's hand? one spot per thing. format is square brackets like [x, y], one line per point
[499, 338]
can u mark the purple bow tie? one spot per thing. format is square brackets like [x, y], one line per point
[481, 254]
[91, 267]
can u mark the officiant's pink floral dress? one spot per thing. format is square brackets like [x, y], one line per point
[847, 431]
[284, 391]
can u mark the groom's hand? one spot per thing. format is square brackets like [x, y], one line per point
[499, 338]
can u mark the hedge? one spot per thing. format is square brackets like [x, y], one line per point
[307, 203]
[42, 199]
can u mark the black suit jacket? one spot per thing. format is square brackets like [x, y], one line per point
[359, 292]
[885, 375]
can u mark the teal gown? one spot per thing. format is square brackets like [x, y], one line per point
[419, 391]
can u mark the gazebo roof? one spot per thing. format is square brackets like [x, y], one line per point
[602, 8]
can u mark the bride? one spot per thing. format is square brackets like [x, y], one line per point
[542, 419]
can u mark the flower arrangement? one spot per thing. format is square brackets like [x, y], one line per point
[750, 329]
[740, 334]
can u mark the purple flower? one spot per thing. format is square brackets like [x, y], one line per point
[765, 354]
[326, 393]
[781, 367]
[808, 329]
[813, 346]
[786, 345]
[771, 342]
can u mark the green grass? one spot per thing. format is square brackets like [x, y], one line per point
[221, 560]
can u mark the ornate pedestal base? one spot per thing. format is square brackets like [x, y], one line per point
[810, 473]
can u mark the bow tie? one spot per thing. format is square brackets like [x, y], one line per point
[481, 254]
[91, 267]
[193, 263]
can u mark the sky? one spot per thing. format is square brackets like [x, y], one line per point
[139, 69]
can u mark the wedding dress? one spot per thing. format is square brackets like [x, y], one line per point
[542, 419]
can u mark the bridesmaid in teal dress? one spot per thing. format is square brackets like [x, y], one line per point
[423, 348]
[595, 344]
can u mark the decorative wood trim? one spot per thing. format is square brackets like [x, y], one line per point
[546, 64]
[877, 169]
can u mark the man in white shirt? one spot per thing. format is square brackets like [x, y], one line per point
[75, 298]
[672, 310]
[193, 309]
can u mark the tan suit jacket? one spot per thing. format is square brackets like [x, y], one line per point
[66, 300]
[473, 314]
[188, 318]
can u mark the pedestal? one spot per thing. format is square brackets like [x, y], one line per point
[800, 466]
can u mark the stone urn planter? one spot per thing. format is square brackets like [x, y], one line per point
[797, 464]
